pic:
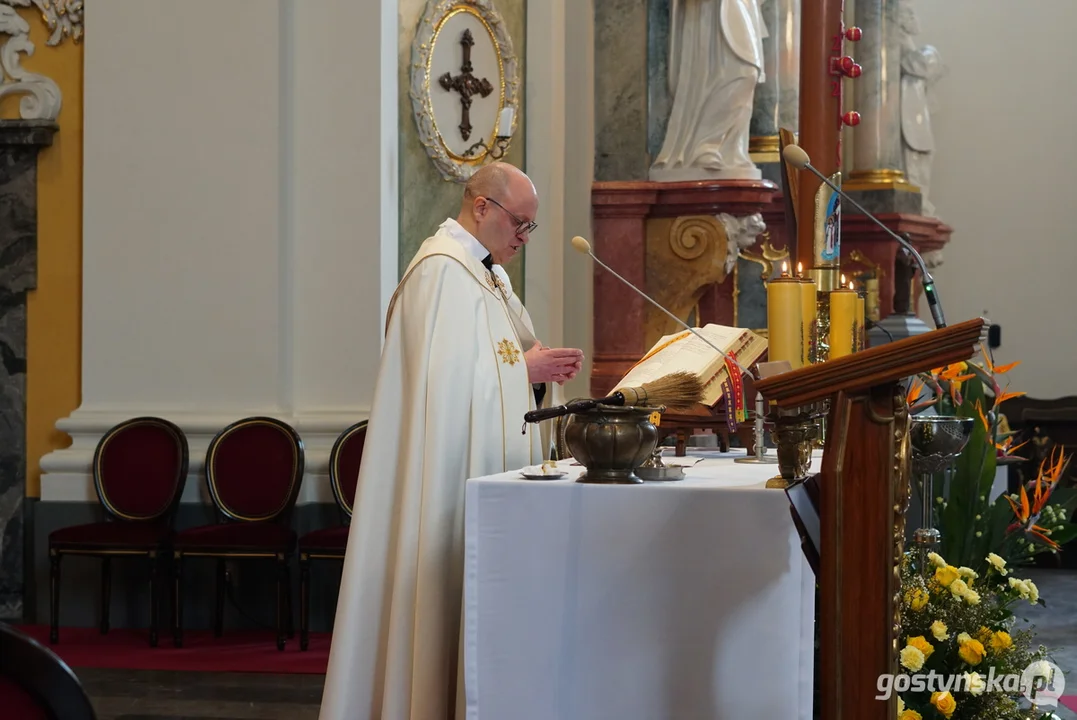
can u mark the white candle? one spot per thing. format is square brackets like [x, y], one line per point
[504, 124]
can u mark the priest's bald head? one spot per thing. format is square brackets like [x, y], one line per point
[499, 208]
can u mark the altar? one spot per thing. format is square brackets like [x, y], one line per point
[686, 599]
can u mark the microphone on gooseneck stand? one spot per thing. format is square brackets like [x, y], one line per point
[581, 245]
[798, 158]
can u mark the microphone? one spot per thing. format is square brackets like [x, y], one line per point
[581, 245]
[798, 158]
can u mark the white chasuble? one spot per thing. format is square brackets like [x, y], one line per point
[451, 396]
[525, 328]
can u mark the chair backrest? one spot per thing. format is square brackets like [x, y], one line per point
[36, 683]
[254, 468]
[344, 461]
[140, 469]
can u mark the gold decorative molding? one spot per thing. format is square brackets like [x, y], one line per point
[765, 148]
[880, 179]
[764, 144]
[457, 99]
[684, 256]
[689, 236]
[41, 96]
[767, 257]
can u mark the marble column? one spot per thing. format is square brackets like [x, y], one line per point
[777, 101]
[877, 154]
[20, 142]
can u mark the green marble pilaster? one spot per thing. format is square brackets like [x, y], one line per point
[621, 95]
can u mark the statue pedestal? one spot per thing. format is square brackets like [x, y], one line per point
[669, 240]
[20, 143]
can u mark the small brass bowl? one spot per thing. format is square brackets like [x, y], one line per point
[611, 442]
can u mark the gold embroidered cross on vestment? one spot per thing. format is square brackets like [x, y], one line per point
[508, 352]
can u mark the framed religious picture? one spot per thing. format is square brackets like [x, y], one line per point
[464, 85]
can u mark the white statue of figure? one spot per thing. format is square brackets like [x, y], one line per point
[921, 67]
[715, 63]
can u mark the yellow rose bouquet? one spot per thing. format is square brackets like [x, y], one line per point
[961, 657]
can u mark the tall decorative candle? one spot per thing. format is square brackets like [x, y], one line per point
[842, 320]
[808, 311]
[784, 338]
[859, 339]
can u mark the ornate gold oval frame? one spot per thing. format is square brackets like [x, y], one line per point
[452, 165]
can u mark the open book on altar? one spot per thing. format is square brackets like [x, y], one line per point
[685, 352]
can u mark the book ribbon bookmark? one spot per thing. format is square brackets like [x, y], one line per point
[733, 389]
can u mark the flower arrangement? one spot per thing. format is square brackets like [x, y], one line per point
[974, 525]
[967, 661]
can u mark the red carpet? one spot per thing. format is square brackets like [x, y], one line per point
[1070, 701]
[235, 651]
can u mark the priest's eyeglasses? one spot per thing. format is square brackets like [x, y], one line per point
[524, 226]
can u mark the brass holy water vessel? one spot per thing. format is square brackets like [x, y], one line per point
[612, 442]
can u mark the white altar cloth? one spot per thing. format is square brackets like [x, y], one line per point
[687, 600]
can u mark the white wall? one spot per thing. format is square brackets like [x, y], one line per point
[240, 228]
[1003, 176]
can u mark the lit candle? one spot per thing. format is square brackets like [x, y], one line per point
[504, 123]
[842, 320]
[859, 342]
[784, 318]
[808, 306]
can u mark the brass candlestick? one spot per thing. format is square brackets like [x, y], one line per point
[760, 457]
[821, 348]
[794, 433]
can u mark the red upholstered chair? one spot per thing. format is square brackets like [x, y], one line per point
[254, 468]
[139, 471]
[35, 684]
[330, 543]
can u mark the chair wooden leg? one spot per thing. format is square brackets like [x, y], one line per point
[106, 592]
[54, 596]
[304, 601]
[289, 620]
[177, 602]
[155, 600]
[218, 615]
[282, 572]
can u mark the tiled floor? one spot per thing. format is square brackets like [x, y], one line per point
[1056, 624]
[155, 695]
[135, 695]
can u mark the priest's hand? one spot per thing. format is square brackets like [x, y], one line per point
[552, 364]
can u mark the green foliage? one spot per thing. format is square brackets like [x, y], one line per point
[1016, 527]
[966, 536]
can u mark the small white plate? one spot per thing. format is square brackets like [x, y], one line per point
[545, 476]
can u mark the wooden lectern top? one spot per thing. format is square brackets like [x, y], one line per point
[885, 363]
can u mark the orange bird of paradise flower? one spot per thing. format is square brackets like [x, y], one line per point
[1028, 513]
[915, 398]
[1001, 394]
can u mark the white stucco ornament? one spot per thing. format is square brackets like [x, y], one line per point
[41, 97]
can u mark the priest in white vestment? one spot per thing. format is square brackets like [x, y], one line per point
[456, 378]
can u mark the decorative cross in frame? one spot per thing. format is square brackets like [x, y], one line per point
[466, 84]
